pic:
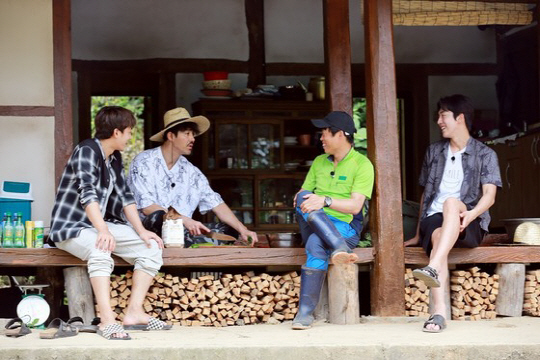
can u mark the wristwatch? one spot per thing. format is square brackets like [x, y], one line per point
[327, 201]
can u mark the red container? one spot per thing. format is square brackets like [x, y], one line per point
[215, 75]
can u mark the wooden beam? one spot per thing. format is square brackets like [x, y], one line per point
[63, 112]
[337, 53]
[383, 150]
[257, 58]
[16, 110]
[10, 257]
[162, 65]
[481, 255]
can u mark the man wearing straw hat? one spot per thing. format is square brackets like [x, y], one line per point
[167, 185]
[460, 176]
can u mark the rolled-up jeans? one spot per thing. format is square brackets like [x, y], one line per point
[317, 251]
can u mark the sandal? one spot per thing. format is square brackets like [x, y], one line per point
[428, 275]
[81, 326]
[153, 324]
[16, 328]
[112, 329]
[435, 320]
[58, 329]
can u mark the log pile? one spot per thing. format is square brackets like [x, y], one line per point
[531, 303]
[416, 296]
[473, 294]
[239, 299]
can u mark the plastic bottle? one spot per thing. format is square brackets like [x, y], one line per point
[38, 234]
[8, 231]
[2, 231]
[29, 228]
[19, 239]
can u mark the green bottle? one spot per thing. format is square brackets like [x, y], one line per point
[19, 232]
[8, 231]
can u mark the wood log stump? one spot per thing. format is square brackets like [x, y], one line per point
[343, 297]
[79, 293]
[511, 289]
[321, 311]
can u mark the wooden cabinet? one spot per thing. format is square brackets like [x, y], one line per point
[519, 162]
[255, 156]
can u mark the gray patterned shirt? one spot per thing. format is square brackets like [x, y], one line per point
[152, 183]
[480, 166]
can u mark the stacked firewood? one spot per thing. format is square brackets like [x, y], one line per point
[205, 301]
[416, 296]
[473, 294]
[531, 303]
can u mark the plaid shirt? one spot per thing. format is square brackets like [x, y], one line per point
[85, 180]
[480, 167]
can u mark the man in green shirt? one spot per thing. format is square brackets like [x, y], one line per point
[329, 208]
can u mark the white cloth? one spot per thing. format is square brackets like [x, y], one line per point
[451, 181]
[151, 182]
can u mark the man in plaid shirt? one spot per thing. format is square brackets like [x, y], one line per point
[89, 221]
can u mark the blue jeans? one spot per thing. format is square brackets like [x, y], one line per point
[317, 250]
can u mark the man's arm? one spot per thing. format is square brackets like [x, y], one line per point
[133, 217]
[105, 240]
[416, 239]
[152, 208]
[224, 213]
[486, 201]
[347, 206]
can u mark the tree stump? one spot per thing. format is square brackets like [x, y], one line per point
[79, 293]
[343, 297]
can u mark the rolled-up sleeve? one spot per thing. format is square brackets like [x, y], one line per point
[490, 172]
[85, 167]
[209, 199]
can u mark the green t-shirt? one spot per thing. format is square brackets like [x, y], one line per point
[352, 174]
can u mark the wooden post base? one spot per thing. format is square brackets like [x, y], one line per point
[343, 298]
[79, 293]
[511, 289]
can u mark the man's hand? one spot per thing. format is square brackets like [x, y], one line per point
[466, 218]
[194, 227]
[413, 241]
[148, 236]
[245, 235]
[311, 203]
[105, 241]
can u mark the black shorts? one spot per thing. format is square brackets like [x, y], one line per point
[471, 237]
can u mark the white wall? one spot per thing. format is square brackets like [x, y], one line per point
[26, 78]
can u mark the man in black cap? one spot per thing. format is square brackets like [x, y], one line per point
[329, 208]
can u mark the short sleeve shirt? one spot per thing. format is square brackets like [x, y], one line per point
[480, 167]
[152, 183]
[353, 174]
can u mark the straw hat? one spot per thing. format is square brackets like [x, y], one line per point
[177, 116]
[527, 233]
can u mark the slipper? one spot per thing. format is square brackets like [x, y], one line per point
[428, 275]
[340, 257]
[112, 329]
[58, 329]
[153, 324]
[82, 327]
[16, 327]
[435, 320]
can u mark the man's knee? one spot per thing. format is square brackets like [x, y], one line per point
[300, 197]
[452, 205]
[100, 264]
[151, 261]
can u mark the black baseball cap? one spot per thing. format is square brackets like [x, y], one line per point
[337, 119]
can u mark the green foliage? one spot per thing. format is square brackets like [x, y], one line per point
[136, 105]
[359, 116]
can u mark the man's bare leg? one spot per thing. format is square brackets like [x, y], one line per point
[101, 285]
[135, 313]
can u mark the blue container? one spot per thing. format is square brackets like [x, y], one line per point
[16, 197]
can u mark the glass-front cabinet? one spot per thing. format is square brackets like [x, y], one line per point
[256, 155]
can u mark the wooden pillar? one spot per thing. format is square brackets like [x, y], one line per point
[511, 288]
[383, 150]
[257, 58]
[343, 297]
[63, 113]
[54, 294]
[79, 293]
[337, 52]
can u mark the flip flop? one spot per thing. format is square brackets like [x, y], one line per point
[153, 324]
[16, 328]
[435, 320]
[82, 327]
[428, 275]
[112, 329]
[58, 329]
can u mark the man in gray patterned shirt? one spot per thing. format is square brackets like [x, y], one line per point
[460, 176]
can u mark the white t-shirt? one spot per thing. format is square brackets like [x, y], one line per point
[451, 181]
